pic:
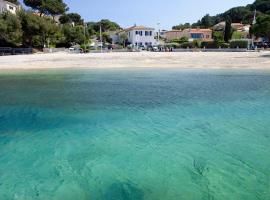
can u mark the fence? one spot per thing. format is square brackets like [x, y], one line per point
[15, 51]
[54, 50]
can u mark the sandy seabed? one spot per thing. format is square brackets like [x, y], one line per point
[211, 60]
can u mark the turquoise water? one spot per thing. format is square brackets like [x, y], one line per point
[135, 134]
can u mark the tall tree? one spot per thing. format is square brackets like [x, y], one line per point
[228, 30]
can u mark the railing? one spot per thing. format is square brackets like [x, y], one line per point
[15, 51]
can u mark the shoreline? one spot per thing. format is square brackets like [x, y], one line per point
[183, 60]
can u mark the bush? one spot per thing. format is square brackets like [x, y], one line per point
[242, 44]
[214, 45]
[186, 45]
[179, 41]
[209, 45]
[172, 44]
[224, 45]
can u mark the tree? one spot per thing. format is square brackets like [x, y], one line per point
[36, 30]
[13, 1]
[207, 21]
[242, 14]
[123, 38]
[34, 4]
[71, 17]
[54, 7]
[228, 30]
[181, 26]
[10, 29]
[262, 27]
[73, 35]
[261, 5]
[238, 14]
[48, 7]
[106, 25]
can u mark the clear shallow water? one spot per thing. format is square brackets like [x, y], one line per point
[135, 134]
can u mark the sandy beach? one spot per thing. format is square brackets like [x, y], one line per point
[211, 60]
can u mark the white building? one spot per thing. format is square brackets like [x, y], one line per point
[141, 36]
[137, 36]
[7, 6]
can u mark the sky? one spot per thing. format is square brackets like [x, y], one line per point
[151, 12]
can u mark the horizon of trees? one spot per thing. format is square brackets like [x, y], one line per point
[39, 28]
[243, 14]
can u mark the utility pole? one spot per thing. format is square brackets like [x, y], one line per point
[158, 31]
[253, 23]
[100, 35]
[84, 31]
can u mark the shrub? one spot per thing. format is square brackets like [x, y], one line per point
[209, 45]
[214, 45]
[242, 44]
[172, 44]
[224, 45]
[179, 41]
[186, 45]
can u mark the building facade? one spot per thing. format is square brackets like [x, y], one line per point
[137, 36]
[191, 34]
[141, 36]
[7, 6]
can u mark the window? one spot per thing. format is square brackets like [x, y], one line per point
[11, 8]
[139, 33]
[148, 33]
[146, 44]
[196, 35]
[207, 36]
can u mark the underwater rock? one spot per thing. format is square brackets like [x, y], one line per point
[123, 191]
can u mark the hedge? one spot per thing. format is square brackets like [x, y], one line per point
[214, 45]
[242, 44]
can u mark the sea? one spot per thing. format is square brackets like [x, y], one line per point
[135, 134]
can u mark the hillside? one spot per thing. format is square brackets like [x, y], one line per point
[242, 14]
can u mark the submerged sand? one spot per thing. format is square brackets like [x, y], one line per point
[250, 60]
